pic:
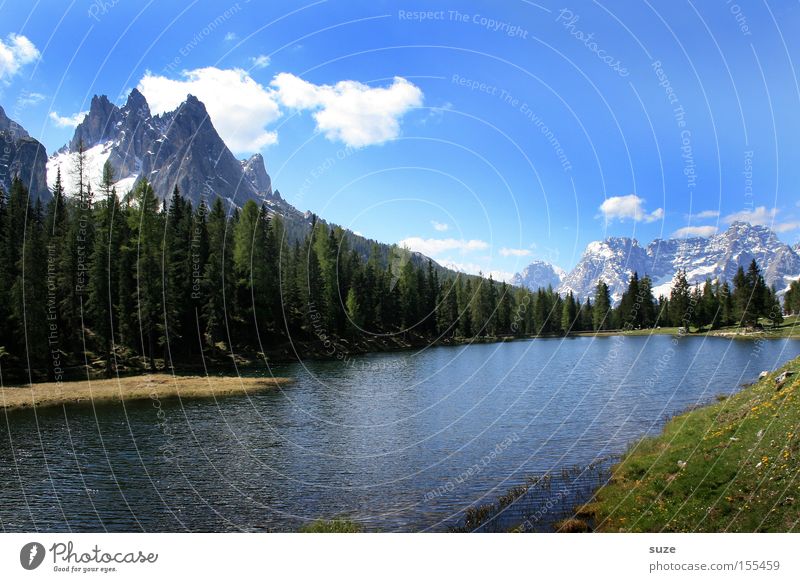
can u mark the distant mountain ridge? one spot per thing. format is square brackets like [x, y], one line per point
[615, 259]
[539, 274]
[22, 156]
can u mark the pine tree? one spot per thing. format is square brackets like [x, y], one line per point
[710, 308]
[569, 313]
[791, 300]
[680, 301]
[628, 310]
[178, 321]
[727, 308]
[602, 307]
[29, 290]
[99, 305]
[648, 307]
[217, 276]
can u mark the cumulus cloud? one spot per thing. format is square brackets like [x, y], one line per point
[15, 52]
[437, 246]
[630, 207]
[351, 112]
[260, 62]
[239, 107]
[506, 252]
[440, 226]
[69, 120]
[688, 231]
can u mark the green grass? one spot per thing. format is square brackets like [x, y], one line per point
[789, 328]
[730, 466]
[331, 526]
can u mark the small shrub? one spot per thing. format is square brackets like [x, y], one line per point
[572, 525]
[331, 526]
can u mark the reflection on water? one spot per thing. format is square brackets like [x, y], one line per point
[398, 442]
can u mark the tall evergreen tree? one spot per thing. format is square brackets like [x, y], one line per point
[602, 307]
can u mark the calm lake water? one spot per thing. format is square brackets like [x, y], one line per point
[398, 442]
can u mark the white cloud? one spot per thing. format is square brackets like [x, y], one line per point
[628, 207]
[506, 252]
[763, 216]
[231, 36]
[351, 112]
[239, 107]
[69, 120]
[475, 269]
[440, 226]
[15, 52]
[27, 98]
[436, 114]
[759, 215]
[706, 214]
[261, 61]
[688, 231]
[786, 226]
[437, 246]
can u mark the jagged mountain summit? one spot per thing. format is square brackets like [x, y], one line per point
[717, 257]
[539, 274]
[178, 148]
[23, 156]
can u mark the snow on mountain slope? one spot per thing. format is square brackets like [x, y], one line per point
[613, 260]
[95, 158]
[539, 274]
[717, 257]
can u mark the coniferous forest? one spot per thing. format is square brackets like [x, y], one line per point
[106, 282]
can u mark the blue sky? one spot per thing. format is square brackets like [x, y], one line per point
[485, 134]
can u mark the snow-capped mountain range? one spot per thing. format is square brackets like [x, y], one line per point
[539, 274]
[717, 257]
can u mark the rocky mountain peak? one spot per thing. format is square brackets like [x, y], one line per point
[178, 148]
[256, 172]
[539, 274]
[8, 125]
[137, 104]
[22, 156]
[98, 126]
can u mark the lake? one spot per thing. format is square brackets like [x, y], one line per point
[402, 441]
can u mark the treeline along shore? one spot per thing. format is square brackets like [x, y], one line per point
[106, 283]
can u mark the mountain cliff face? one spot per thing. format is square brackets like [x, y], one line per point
[717, 257]
[539, 274]
[256, 172]
[179, 148]
[23, 156]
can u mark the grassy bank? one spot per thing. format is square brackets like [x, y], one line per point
[790, 328]
[730, 466]
[150, 386]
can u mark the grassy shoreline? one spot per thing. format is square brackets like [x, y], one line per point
[728, 466]
[130, 388]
